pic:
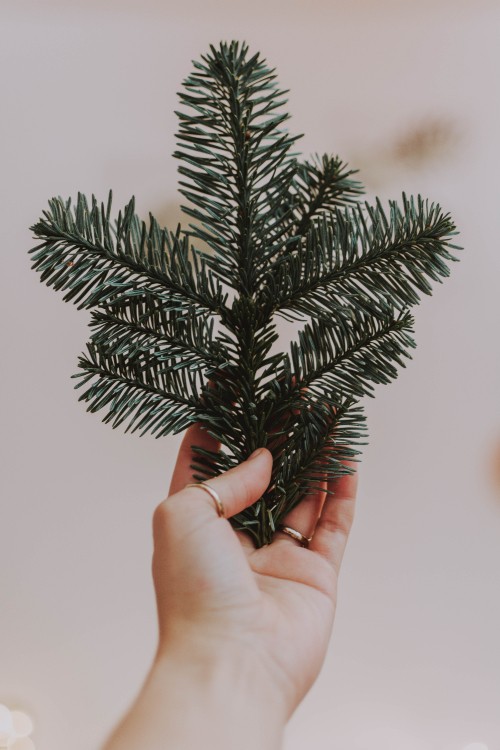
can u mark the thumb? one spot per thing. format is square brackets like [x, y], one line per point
[186, 551]
[240, 487]
[237, 488]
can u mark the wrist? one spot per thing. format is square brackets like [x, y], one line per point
[215, 695]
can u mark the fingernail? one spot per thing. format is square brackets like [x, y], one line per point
[255, 454]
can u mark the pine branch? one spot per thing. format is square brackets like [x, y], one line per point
[139, 392]
[179, 335]
[347, 358]
[100, 263]
[236, 159]
[315, 393]
[319, 444]
[144, 325]
[320, 186]
[331, 436]
[372, 262]
[235, 399]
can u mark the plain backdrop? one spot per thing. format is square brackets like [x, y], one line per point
[408, 92]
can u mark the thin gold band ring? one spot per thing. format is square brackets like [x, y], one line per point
[213, 494]
[304, 540]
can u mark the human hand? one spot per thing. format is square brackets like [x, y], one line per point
[243, 632]
[275, 605]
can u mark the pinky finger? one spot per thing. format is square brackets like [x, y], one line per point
[334, 524]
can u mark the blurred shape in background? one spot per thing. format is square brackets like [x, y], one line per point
[423, 145]
[430, 141]
[15, 728]
[495, 468]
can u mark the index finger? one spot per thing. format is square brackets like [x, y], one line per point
[183, 474]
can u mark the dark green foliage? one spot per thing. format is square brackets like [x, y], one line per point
[180, 335]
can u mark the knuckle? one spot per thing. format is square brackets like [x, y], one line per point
[332, 526]
[339, 524]
[243, 490]
[162, 514]
[326, 578]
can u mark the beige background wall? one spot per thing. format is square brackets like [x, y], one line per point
[406, 90]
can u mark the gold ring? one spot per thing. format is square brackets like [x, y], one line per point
[213, 494]
[304, 540]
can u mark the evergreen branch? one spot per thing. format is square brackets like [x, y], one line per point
[327, 438]
[100, 263]
[346, 358]
[140, 392]
[318, 186]
[242, 168]
[322, 184]
[167, 348]
[372, 262]
[238, 412]
[144, 325]
[320, 441]
[330, 439]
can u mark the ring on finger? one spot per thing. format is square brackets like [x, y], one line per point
[221, 512]
[304, 540]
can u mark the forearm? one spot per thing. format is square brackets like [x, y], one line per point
[193, 700]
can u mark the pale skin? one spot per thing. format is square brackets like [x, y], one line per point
[243, 632]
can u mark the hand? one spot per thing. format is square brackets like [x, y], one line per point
[238, 626]
[276, 603]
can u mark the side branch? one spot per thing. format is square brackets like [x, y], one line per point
[148, 398]
[347, 358]
[373, 261]
[329, 438]
[322, 184]
[144, 326]
[99, 262]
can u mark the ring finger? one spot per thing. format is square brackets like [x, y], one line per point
[304, 516]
